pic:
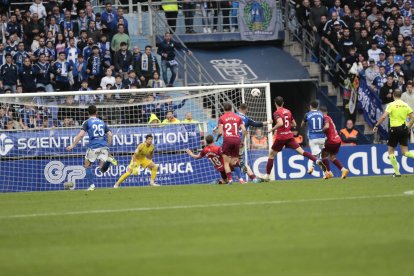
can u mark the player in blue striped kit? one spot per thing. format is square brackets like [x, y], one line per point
[242, 113]
[100, 138]
[314, 119]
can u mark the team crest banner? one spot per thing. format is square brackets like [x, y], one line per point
[258, 20]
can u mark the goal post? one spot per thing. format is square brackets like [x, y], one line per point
[37, 128]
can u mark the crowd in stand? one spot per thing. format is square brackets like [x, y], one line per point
[66, 46]
[374, 39]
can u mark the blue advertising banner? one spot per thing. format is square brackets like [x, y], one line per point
[51, 174]
[366, 160]
[53, 142]
[370, 104]
[44, 175]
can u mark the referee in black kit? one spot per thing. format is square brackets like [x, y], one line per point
[398, 111]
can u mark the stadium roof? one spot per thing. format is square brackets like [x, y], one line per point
[263, 63]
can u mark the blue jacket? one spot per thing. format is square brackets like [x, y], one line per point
[108, 20]
[42, 72]
[57, 71]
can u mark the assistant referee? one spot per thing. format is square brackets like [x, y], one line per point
[399, 131]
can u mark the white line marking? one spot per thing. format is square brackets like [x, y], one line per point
[212, 205]
[409, 192]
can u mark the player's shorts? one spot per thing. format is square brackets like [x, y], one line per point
[99, 153]
[231, 147]
[134, 166]
[291, 143]
[332, 148]
[398, 135]
[317, 145]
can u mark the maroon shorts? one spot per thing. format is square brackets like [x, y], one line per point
[291, 143]
[231, 147]
[332, 148]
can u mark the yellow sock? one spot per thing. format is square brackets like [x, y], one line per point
[154, 173]
[394, 163]
[122, 178]
[409, 154]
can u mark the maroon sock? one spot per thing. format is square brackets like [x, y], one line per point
[252, 176]
[338, 164]
[223, 175]
[309, 156]
[327, 165]
[229, 176]
[269, 165]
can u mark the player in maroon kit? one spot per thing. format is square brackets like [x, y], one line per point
[284, 137]
[229, 125]
[332, 145]
[214, 154]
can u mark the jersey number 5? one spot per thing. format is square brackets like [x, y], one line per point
[287, 121]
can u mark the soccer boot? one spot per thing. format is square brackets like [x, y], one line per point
[321, 165]
[153, 184]
[257, 180]
[344, 173]
[328, 175]
[116, 186]
[396, 175]
[221, 182]
[91, 188]
[242, 181]
[112, 160]
[311, 169]
[265, 178]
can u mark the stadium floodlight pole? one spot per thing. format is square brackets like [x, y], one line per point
[269, 118]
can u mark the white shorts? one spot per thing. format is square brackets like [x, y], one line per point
[317, 145]
[99, 153]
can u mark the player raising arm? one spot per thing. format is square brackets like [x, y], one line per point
[214, 154]
[229, 125]
[399, 130]
[332, 145]
[248, 122]
[98, 147]
[142, 157]
[284, 137]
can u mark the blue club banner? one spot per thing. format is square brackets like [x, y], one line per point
[258, 20]
[51, 174]
[53, 142]
[370, 104]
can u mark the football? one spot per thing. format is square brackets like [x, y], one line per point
[255, 92]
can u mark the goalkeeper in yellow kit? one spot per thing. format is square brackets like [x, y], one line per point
[141, 157]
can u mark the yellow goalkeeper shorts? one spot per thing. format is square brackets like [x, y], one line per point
[134, 166]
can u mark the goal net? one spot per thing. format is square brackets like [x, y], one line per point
[37, 128]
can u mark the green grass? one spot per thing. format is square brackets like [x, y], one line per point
[360, 226]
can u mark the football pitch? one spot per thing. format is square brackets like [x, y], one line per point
[357, 226]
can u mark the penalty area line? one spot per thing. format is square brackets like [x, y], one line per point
[196, 206]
